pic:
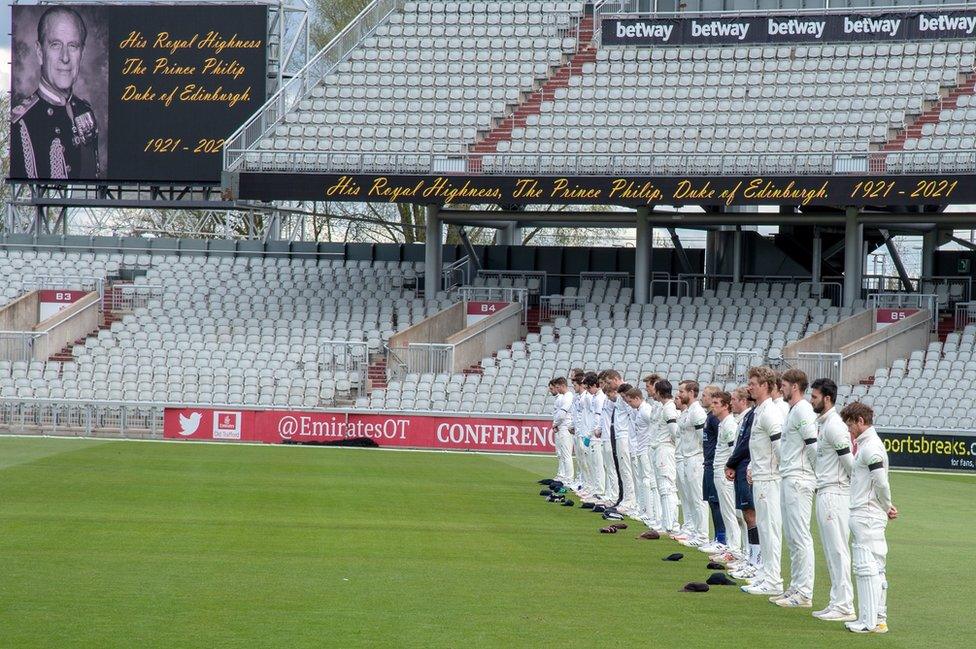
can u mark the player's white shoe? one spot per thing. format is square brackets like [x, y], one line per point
[679, 536]
[746, 572]
[711, 547]
[795, 600]
[760, 588]
[784, 595]
[831, 614]
[859, 627]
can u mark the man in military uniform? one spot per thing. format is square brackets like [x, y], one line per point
[54, 133]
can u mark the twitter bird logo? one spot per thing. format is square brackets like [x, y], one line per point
[189, 425]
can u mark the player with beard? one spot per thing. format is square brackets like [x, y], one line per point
[833, 468]
[690, 461]
[798, 457]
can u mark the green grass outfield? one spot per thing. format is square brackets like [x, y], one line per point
[137, 545]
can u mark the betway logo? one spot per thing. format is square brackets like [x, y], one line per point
[887, 26]
[660, 31]
[945, 23]
[794, 26]
[719, 29]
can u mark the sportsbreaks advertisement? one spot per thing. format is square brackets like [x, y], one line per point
[394, 430]
[825, 28]
[919, 450]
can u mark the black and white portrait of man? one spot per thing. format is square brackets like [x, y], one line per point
[60, 87]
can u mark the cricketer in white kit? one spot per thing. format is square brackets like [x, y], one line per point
[640, 449]
[764, 451]
[691, 424]
[728, 431]
[835, 461]
[798, 456]
[561, 420]
[578, 431]
[664, 458]
[871, 509]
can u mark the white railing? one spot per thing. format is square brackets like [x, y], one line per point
[818, 365]
[732, 365]
[422, 358]
[535, 281]
[299, 86]
[965, 314]
[669, 288]
[833, 291]
[19, 345]
[559, 306]
[343, 356]
[128, 297]
[928, 302]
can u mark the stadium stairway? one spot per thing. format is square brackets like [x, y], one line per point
[376, 372]
[66, 355]
[932, 115]
[532, 105]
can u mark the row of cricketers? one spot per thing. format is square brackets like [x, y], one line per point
[754, 461]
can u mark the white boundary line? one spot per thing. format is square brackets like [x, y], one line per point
[374, 448]
[265, 445]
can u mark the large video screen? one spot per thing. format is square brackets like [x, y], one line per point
[132, 93]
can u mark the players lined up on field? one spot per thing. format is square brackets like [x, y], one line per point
[754, 459]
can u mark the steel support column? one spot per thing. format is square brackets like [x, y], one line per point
[642, 257]
[853, 257]
[432, 253]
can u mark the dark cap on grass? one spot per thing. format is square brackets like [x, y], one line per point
[599, 508]
[608, 530]
[586, 506]
[721, 579]
[650, 535]
[695, 587]
[677, 556]
[568, 503]
[714, 565]
[546, 481]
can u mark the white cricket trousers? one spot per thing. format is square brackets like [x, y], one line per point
[769, 520]
[609, 471]
[564, 455]
[626, 467]
[726, 504]
[665, 469]
[869, 551]
[597, 475]
[833, 521]
[646, 484]
[696, 510]
[579, 466]
[797, 499]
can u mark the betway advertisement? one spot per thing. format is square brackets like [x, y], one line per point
[824, 28]
[385, 429]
